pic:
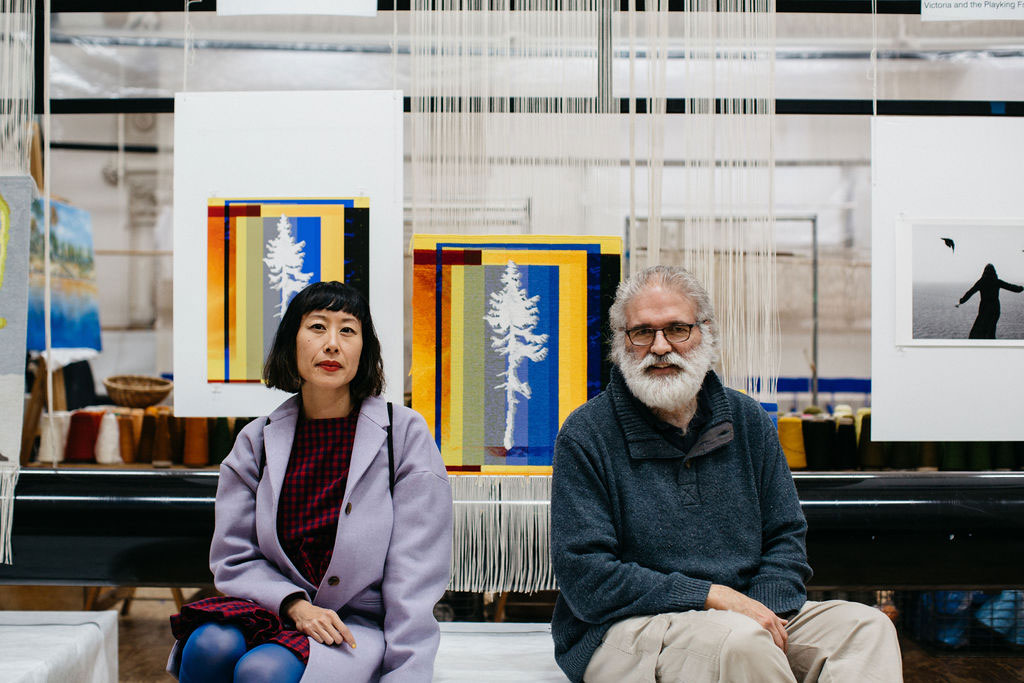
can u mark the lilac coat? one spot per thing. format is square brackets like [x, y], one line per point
[391, 557]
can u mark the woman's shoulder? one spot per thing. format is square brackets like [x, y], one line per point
[402, 418]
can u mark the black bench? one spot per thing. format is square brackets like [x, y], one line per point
[868, 530]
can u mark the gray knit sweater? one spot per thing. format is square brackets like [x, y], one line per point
[641, 527]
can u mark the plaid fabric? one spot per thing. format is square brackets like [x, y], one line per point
[314, 485]
[258, 625]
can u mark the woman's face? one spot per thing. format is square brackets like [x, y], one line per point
[327, 349]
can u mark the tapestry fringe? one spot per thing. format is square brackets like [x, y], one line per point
[8, 478]
[502, 538]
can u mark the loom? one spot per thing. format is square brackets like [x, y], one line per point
[16, 185]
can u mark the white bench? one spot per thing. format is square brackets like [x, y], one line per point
[36, 647]
[474, 652]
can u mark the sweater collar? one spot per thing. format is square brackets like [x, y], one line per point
[646, 443]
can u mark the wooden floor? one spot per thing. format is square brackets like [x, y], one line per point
[144, 640]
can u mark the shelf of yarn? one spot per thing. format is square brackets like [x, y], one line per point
[118, 436]
[814, 441]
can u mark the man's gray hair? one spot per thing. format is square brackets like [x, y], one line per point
[674, 278]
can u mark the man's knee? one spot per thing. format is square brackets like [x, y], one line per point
[746, 639]
[868, 622]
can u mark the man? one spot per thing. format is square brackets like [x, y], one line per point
[677, 536]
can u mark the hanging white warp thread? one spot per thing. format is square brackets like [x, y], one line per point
[17, 24]
[721, 224]
[502, 533]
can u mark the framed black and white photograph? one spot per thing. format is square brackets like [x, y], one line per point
[966, 282]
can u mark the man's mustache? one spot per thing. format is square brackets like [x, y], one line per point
[670, 358]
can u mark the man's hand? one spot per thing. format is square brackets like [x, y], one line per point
[723, 597]
[322, 625]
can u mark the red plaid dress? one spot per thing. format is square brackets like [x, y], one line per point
[307, 523]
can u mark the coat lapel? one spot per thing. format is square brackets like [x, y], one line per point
[370, 436]
[278, 435]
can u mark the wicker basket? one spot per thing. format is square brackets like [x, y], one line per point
[137, 391]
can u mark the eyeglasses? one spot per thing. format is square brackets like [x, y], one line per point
[674, 333]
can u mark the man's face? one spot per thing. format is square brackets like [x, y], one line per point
[657, 308]
[664, 375]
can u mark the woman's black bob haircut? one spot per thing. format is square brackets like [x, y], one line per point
[281, 369]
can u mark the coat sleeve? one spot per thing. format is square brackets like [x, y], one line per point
[239, 567]
[1011, 287]
[970, 292]
[781, 579]
[596, 584]
[417, 567]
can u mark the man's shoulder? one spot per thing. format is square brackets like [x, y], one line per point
[596, 412]
[743, 406]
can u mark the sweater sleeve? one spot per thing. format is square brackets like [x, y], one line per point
[239, 567]
[784, 571]
[596, 584]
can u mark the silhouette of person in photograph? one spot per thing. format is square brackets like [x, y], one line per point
[987, 286]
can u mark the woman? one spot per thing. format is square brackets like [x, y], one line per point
[988, 287]
[332, 559]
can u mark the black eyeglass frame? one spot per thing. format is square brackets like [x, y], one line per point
[664, 331]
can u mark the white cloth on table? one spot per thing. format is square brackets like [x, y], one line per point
[41, 646]
[475, 651]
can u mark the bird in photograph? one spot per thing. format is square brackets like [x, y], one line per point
[987, 286]
[949, 243]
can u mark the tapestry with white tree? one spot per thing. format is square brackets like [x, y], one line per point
[284, 261]
[513, 317]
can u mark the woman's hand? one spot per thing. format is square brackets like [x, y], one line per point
[322, 625]
[723, 597]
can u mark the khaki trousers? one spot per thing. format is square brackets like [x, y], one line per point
[828, 641]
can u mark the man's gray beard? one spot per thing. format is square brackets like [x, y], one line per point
[671, 392]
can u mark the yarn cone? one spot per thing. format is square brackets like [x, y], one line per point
[979, 456]
[220, 440]
[791, 437]
[177, 427]
[162, 441]
[953, 456]
[819, 437]
[929, 456]
[846, 443]
[53, 436]
[197, 442]
[81, 445]
[904, 455]
[126, 438]
[144, 452]
[871, 454]
[108, 446]
[1002, 455]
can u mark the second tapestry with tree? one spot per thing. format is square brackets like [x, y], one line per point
[261, 253]
[509, 336]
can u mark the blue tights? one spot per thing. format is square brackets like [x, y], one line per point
[215, 653]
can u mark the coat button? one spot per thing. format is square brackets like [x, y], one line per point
[348, 509]
[332, 581]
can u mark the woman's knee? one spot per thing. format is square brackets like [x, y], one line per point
[269, 663]
[211, 652]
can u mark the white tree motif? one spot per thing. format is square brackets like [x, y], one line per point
[513, 317]
[284, 259]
